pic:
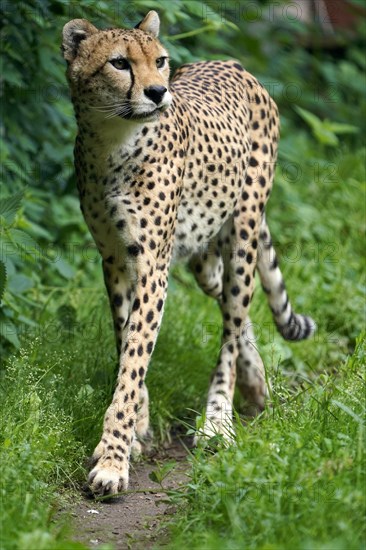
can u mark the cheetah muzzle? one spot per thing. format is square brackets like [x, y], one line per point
[168, 170]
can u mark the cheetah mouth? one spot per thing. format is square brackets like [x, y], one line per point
[144, 116]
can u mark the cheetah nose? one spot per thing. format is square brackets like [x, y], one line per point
[155, 93]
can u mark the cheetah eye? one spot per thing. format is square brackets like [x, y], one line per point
[120, 63]
[160, 62]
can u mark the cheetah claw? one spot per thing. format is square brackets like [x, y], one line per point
[107, 481]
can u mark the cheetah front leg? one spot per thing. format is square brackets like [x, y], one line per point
[120, 287]
[109, 474]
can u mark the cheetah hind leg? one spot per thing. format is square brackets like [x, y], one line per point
[208, 269]
[251, 379]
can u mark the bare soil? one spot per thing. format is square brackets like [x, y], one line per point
[136, 520]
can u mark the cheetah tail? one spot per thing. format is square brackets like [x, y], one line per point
[291, 325]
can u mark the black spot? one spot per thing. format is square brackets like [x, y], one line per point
[274, 263]
[136, 304]
[117, 300]
[134, 249]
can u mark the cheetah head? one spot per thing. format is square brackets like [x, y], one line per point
[117, 73]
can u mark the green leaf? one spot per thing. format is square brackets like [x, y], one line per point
[19, 283]
[24, 243]
[320, 131]
[64, 268]
[39, 231]
[10, 206]
[9, 332]
[340, 128]
[161, 473]
[2, 279]
[325, 130]
[325, 136]
[154, 477]
[313, 121]
[27, 321]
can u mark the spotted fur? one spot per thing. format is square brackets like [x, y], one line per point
[168, 171]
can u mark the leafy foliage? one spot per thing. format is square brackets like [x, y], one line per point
[326, 131]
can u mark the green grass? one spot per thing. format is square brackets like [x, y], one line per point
[295, 478]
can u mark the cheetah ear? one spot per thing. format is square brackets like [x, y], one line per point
[150, 24]
[73, 33]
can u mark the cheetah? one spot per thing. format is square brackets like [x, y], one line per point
[167, 171]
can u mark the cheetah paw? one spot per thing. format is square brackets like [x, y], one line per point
[214, 428]
[136, 449]
[107, 481]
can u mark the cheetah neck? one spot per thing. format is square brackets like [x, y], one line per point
[106, 135]
[103, 140]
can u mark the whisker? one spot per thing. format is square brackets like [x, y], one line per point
[114, 105]
[118, 112]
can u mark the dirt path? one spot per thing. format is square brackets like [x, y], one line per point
[134, 520]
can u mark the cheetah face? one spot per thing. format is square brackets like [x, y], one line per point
[117, 73]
